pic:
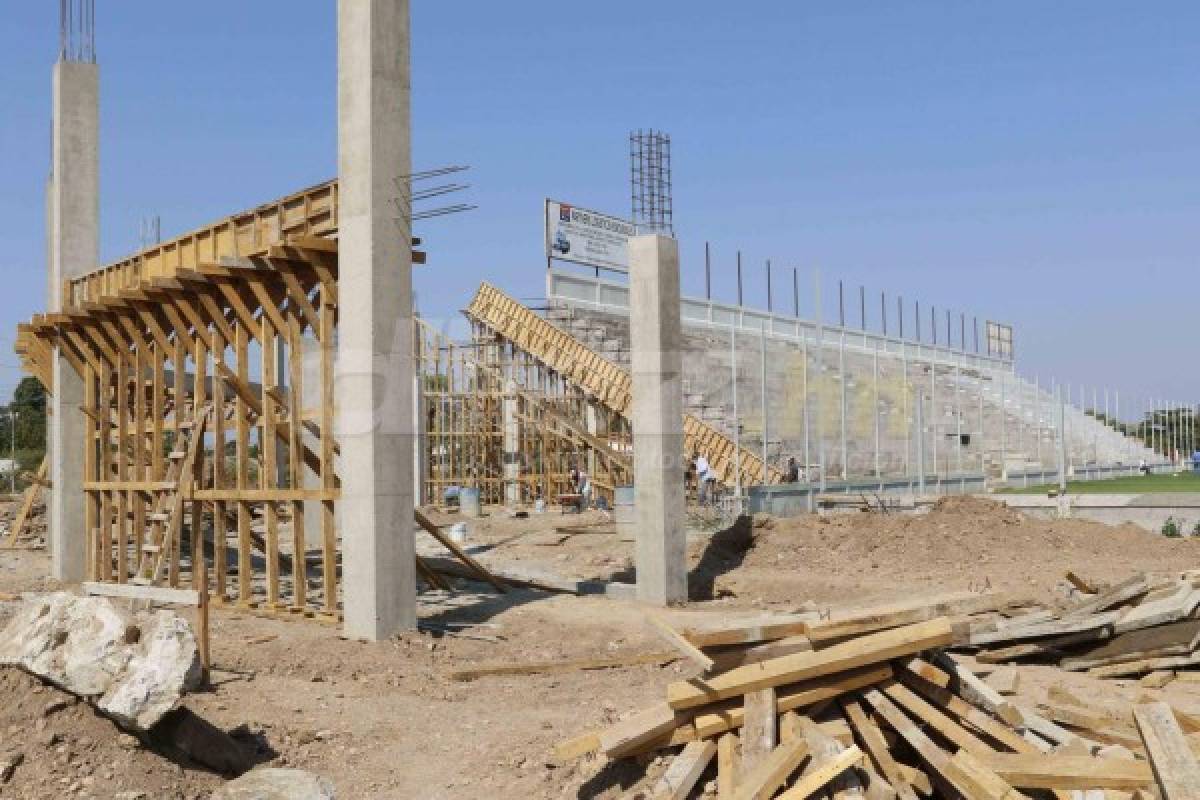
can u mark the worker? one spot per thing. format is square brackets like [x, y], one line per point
[706, 477]
[793, 471]
[585, 489]
[1196, 460]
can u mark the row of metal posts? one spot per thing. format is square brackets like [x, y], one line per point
[1063, 399]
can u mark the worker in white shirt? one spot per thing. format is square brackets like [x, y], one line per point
[704, 478]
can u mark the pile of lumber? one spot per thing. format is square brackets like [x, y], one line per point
[1140, 627]
[867, 707]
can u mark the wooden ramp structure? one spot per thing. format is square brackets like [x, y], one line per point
[507, 320]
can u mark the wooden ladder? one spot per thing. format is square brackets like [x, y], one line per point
[166, 518]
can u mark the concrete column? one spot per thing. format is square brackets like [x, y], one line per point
[75, 250]
[375, 337]
[657, 419]
[512, 445]
[592, 420]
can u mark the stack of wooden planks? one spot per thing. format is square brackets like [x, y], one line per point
[870, 705]
[1144, 625]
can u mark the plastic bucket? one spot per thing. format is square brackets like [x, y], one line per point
[468, 502]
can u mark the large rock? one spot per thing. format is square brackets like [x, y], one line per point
[134, 667]
[269, 783]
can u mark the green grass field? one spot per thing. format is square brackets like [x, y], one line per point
[1142, 484]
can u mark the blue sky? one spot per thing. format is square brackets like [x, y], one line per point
[1031, 162]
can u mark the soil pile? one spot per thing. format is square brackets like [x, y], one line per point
[962, 542]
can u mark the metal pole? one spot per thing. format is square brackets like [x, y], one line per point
[904, 390]
[919, 406]
[875, 389]
[820, 376]
[975, 325]
[737, 423]
[804, 381]
[933, 332]
[841, 305]
[900, 315]
[769, 308]
[1037, 411]
[842, 381]
[862, 307]
[917, 318]
[1062, 446]
[883, 311]
[933, 410]
[707, 273]
[762, 337]
[1003, 426]
[979, 386]
[958, 413]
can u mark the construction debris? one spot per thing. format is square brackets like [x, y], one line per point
[884, 711]
[134, 667]
[1139, 627]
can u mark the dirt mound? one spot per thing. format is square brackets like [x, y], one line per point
[962, 542]
[61, 747]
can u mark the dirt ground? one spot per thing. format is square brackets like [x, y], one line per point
[386, 720]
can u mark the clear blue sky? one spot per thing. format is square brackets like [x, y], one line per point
[1032, 162]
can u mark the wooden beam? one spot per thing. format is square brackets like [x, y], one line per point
[1171, 757]
[870, 649]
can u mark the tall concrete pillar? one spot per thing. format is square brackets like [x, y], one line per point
[74, 250]
[657, 419]
[375, 336]
[512, 445]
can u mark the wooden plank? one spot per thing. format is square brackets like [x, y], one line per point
[1172, 639]
[1058, 627]
[627, 735]
[1117, 595]
[731, 715]
[1174, 765]
[908, 613]
[730, 656]
[916, 676]
[823, 773]
[478, 569]
[762, 782]
[677, 782]
[761, 628]
[1004, 680]
[979, 781]
[676, 640]
[154, 594]
[27, 501]
[872, 740]
[760, 729]
[1051, 771]
[727, 766]
[936, 758]
[562, 665]
[869, 649]
[945, 726]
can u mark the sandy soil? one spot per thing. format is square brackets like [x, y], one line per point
[386, 720]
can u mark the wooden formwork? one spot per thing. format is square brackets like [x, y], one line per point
[197, 443]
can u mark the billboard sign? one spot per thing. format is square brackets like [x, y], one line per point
[587, 237]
